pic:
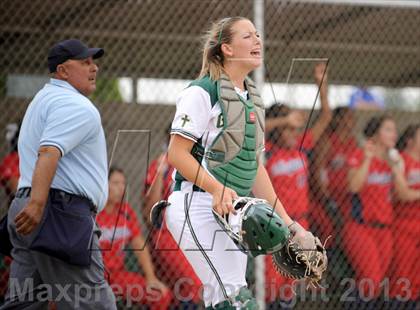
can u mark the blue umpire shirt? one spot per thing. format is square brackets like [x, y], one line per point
[60, 116]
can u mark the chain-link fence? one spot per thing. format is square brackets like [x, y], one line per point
[153, 50]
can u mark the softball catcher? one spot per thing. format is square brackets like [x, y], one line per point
[217, 139]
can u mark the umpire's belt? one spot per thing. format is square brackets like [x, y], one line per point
[57, 194]
[67, 227]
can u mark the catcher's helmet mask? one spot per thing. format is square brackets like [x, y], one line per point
[256, 217]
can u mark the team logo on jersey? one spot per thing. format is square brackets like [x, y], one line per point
[252, 117]
[220, 121]
[185, 120]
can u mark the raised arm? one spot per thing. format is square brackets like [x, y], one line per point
[321, 79]
[357, 176]
[319, 165]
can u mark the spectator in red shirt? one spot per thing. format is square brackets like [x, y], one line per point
[9, 166]
[174, 268]
[367, 237]
[120, 227]
[405, 265]
[329, 174]
[9, 177]
[287, 154]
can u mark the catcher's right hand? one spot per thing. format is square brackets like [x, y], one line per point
[303, 256]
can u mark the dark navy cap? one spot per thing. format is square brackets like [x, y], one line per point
[70, 49]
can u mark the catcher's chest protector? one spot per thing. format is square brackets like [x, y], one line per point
[232, 157]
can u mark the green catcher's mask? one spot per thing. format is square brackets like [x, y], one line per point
[255, 228]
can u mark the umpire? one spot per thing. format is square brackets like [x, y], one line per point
[63, 184]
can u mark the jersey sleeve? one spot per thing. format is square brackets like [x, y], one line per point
[193, 113]
[68, 125]
[355, 159]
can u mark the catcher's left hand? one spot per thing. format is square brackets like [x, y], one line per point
[303, 257]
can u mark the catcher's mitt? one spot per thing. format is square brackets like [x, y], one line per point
[303, 257]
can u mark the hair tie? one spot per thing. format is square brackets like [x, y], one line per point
[219, 39]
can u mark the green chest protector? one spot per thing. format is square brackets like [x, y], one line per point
[233, 156]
